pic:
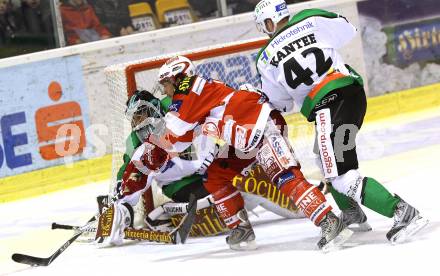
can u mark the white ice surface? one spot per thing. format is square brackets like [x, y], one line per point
[285, 246]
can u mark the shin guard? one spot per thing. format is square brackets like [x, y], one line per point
[306, 196]
[228, 202]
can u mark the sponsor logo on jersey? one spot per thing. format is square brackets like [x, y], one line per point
[265, 56]
[175, 106]
[291, 33]
[286, 50]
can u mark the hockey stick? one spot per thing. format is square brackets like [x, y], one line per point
[63, 226]
[184, 227]
[178, 235]
[37, 261]
[71, 227]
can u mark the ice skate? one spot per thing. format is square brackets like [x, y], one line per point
[407, 222]
[334, 233]
[242, 237]
[354, 218]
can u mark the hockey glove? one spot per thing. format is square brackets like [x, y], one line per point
[154, 157]
[132, 181]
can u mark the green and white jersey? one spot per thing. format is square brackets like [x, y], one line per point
[300, 64]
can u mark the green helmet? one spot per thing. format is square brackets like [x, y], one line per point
[145, 113]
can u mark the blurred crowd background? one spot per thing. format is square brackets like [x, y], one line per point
[28, 26]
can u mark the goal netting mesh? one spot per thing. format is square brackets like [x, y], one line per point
[232, 63]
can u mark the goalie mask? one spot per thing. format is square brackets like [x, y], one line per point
[145, 113]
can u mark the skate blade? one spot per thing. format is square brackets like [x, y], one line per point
[416, 224]
[340, 239]
[360, 227]
[244, 246]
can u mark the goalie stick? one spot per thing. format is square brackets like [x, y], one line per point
[178, 235]
[184, 227]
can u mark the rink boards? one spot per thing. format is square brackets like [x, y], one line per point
[93, 170]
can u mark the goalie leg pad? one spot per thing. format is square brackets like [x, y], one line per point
[113, 222]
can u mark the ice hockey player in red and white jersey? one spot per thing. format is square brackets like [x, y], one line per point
[178, 176]
[300, 66]
[247, 122]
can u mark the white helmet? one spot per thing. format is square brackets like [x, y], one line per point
[176, 67]
[274, 10]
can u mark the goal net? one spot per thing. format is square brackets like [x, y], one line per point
[232, 63]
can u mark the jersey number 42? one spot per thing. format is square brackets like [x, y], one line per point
[305, 75]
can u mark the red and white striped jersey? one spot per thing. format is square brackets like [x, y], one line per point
[236, 117]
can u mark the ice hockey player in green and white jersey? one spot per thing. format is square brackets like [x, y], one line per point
[300, 66]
